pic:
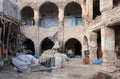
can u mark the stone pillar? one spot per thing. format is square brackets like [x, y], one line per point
[108, 45]
[89, 9]
[61, 24]
[93, 46]
[87, 14]
[61, 17]
[103, 5]
[36, 17]
[85, 47]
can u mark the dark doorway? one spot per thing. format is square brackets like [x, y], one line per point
[74, 45]
[99, 50]
[46, 44]
[116, 2]
[96, 8]
[77, 48]
[30, 45]
[117, 41]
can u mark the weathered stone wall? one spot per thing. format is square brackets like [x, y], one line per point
[38, 34]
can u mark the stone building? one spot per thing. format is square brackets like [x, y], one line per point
[83, 25]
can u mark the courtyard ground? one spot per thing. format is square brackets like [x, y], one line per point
[73, 70]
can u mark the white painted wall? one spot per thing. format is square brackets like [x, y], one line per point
[11, 8]
[1, 6]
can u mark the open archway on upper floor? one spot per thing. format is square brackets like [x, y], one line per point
[74, 45]
[48, 13]
[96, 8]
[27, 16]
[72, 14]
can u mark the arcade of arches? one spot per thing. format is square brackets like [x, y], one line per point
[72, 14]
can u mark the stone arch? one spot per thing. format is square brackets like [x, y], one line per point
[46, 44]
[73, 13]
[27, 16]
[48, 13]
[74, 45]
[78, 2]
[96, 8]
[29, 43]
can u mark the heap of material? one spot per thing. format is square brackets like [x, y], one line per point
[60, 59]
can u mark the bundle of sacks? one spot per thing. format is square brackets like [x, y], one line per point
[60, 59]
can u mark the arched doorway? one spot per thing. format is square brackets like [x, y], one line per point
[30, 45]
[46, 44]
[73, 14]
[74, 45]
[96, 8]
[48, 13]
[27, 16]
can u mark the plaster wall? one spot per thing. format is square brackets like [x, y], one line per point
[11, 8]
[1, 5]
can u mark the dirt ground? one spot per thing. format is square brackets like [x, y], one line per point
[73, 70]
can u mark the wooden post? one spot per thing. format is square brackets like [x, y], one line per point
[4, 25]
[9, 29]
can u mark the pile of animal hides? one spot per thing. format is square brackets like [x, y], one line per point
[27, 61]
